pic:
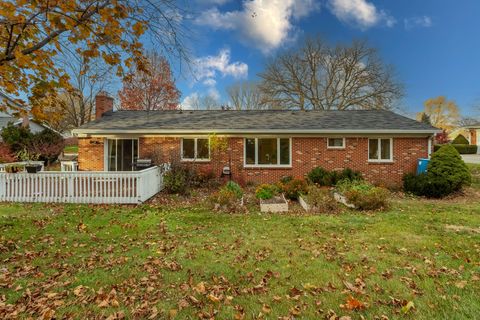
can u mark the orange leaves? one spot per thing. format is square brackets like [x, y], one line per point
[139, 28]
[111, 59]
[354, 304]
[149, 86]
[115, 27]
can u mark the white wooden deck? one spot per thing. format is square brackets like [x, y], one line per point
[81, 186]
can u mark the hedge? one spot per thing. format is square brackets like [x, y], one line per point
[461, 148]
[460, 139]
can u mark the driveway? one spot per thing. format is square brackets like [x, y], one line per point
[471, 158]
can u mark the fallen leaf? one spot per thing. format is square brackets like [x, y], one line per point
[354, 304]
[461, 284]
[406, 308]
[212, 298]
[266, 309]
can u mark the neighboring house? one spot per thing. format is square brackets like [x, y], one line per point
[263, 145]
[474, 135]
[34, 126]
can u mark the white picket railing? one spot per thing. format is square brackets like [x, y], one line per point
[81, 186]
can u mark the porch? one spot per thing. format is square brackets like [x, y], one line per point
[92, 187]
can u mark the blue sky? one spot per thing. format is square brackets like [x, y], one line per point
[433, 45]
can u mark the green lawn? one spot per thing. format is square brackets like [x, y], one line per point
[186, 262]
[475, 169]
[70, 149]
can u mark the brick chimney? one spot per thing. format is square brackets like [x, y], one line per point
[103, 103]
[25, 121]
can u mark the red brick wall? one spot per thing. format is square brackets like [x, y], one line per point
[90, 154]
[473, 136]
[307, 153]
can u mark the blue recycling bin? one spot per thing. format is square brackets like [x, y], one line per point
[422, 165]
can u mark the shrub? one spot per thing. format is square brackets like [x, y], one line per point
[363, 195]
[176, 180]
[426, 185]
[465, 148]
[235, 188]
[323, 177]
[460, 139]
[349, 174]
[224, 200]
[320, 176]
[200, 177]
[47, 144]
[6, 155]
[461, 148]
[448, 164]
[286, 179]
[266, 191]
[17, 137]
[294, 188]
[321, 200]
[227, 198]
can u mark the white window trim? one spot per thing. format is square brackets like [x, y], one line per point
[256, 165]
[106, 161]
[379, 150]
[336, 147]
[195, 151]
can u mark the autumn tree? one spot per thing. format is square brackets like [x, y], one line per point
[245, 95]
[321, 77]
[442, 113]
[33, 33]
[152, 89]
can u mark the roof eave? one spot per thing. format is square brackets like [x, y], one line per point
[252, 131]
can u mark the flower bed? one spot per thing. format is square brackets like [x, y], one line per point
[275, 204]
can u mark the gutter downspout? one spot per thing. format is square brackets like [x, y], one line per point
[430, 146]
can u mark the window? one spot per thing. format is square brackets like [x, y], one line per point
[380, 150]
[195, 149]
[336, 143]
[121, 154]
[267, 152]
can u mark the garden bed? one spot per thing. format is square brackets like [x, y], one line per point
[275, 204]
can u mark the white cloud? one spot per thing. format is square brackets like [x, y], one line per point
[190, 102]
[215, 2]
[423, 21]
[360, 12]
[213, 92]
[210, 82]
[209, 67]
[267, 24]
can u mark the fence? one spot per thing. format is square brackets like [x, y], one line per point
[81, 186]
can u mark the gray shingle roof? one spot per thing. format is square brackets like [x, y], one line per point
[253, 121]
[4, 120]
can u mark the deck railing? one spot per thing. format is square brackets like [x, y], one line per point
[81, 186]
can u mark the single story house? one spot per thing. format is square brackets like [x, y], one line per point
[263, 145]
[34, 126]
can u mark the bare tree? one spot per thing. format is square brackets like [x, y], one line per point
[209, 102]
[468, 121]
[73, 106]
[205, 102]
[317, 76]
[245, 95]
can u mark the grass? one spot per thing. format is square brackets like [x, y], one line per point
[475, 170]
[187, 262]
[70, 149]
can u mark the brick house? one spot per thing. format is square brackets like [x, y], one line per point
[262, 145]
[474, 135]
